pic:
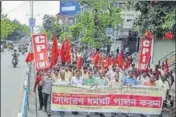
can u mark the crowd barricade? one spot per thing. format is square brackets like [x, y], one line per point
[25, 99]
[122, 99]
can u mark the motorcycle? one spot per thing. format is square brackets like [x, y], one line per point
[23, 52]
[14, 62]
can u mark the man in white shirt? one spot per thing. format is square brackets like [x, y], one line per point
[111, 73]
[62, 80]
[143, 78]
[163, 83]
[85, 74]
[77, 79]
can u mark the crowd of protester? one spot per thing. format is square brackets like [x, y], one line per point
[90, 75]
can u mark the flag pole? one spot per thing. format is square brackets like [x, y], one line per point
[152, 48]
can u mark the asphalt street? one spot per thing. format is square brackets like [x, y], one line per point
[11, 84]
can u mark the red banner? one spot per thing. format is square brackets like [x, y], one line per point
[145, 54]
[40, 49]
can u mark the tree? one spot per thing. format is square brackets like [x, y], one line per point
[19, 32]
[91, 25]
[12, 30]
[50, 26]
[7, 26]
[169, 20]
[157, 16]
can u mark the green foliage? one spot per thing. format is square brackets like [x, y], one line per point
[169, 20]
[75, 30]
[157, 16]
[12, 30]
[93, 23]
[50, 26]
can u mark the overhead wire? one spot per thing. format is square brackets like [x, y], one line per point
[10, 11]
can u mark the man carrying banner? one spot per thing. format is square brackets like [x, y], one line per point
[78, 81]
[62, 81]
[47, 89]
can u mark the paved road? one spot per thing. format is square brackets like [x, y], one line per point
[11, 84]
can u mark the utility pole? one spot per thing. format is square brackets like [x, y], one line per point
[32, 15]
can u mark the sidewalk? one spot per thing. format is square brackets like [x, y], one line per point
[32, 106]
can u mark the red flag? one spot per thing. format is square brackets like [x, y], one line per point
[30, 57]
[100, 60]
[168, 36]
[67, 50]
[96, 58]
[79, 62]
[55, 52]
[62, 52]
[148, 34]
[107, 62]
[113, 61]
[127, 63]
[120, 60]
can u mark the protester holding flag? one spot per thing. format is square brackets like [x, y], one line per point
[39, 86]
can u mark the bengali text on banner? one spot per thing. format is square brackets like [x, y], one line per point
[143, 100]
